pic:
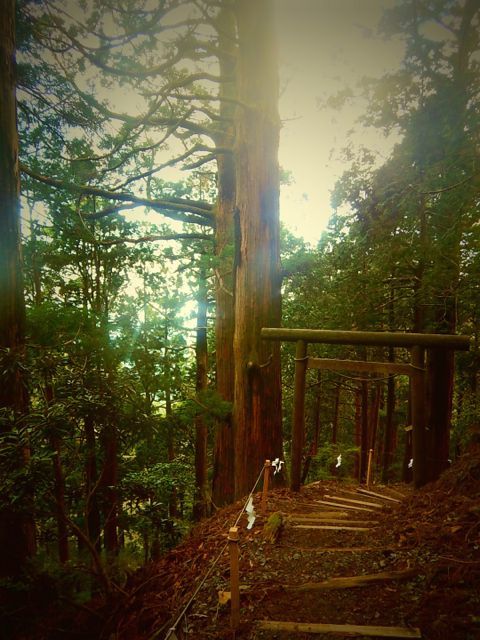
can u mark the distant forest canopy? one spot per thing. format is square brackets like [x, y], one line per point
[136, 392]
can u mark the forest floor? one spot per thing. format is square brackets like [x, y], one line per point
[424, 551]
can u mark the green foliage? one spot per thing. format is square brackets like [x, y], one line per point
[323, 464]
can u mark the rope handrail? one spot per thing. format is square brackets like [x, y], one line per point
[185, 609]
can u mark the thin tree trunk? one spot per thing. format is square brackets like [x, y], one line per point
[109, 482]
[202, 503]
[407, 472]
[59, 483]
[390, 441]
[364, 431]
[92, 512]
[316, 415]
[173, 500]
[374, 414]
[316, 430]
[377, 434]
[336, 408]
[358, 433]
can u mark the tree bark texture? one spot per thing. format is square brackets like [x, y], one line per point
[364, 439]
[440, 369]
[17, 532]
[358, 434]
[202, 503]
[257, 396]
[223, 469]
[390, 435]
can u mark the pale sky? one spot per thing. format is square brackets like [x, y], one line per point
[323, 46]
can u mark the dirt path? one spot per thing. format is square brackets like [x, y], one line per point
[341, 559]
[334, 563]
[350, 575]
[362, 573]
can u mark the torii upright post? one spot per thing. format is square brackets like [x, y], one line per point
[418, 342]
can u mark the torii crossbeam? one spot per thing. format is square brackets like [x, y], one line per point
[416, 342]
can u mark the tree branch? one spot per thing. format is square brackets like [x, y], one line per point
[155, 238]
[202, 211]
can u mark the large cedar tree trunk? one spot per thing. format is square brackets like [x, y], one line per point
[223, 472]
[257, 397]
[17, 533]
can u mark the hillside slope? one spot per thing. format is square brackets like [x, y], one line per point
[421, 556]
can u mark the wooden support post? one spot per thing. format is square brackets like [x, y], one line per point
[233, 539]
[298, 430]
[439, 382]
[420, 469]
[369, 467]
[266, 477]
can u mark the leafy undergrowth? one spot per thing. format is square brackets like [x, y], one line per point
[434, 531]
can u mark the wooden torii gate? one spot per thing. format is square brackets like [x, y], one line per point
[416, 342]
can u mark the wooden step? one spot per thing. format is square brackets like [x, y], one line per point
[346, 629]
[362, 549]
[349, 582]
[314, 515]
[331, 527]
[331, 521]
[343, 506]
[401, 493]
[378, 495]
[361, 503]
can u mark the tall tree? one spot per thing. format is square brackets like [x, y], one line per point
[17, 536]
[223, 489]
[257, 398]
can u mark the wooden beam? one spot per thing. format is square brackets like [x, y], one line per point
[361, 503]
[330, 527]
[331, 521]
[356, 494]
[342, 506]
[360, 365]
[399, 494]
[298, 428]
[349, 582]
[368, 338]
[315, 515]
[362, 549]
[377, 495]
[342, 629]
